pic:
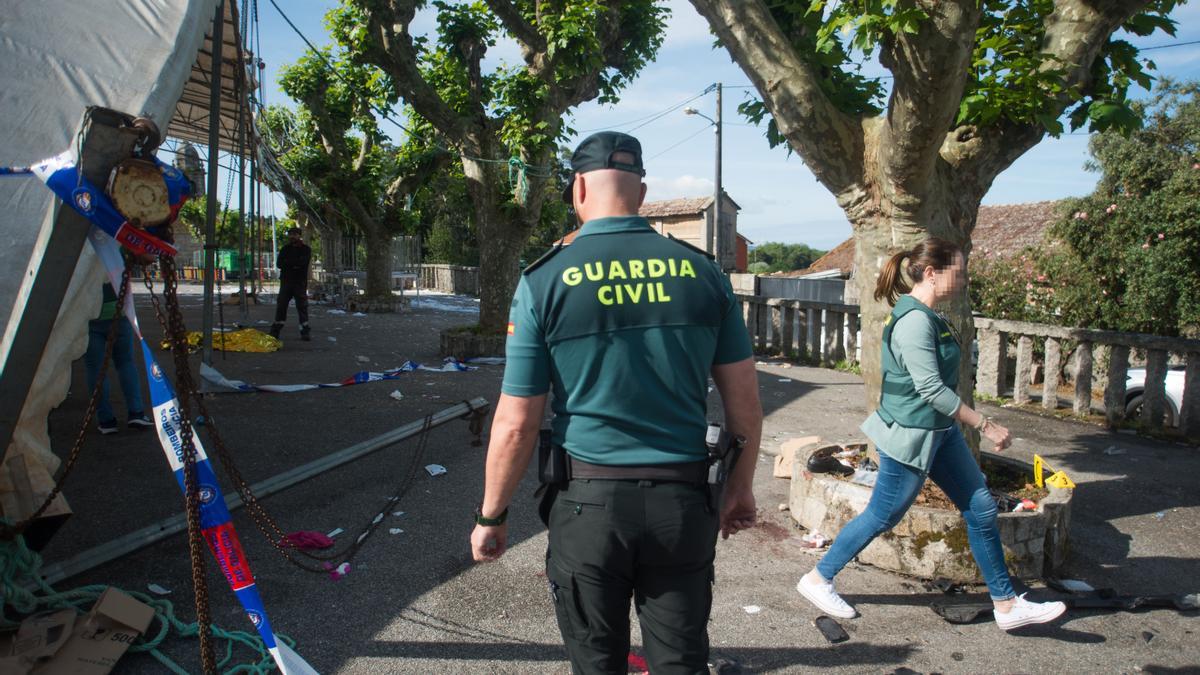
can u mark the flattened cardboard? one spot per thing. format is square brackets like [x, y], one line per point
[101, 637]
[38, 638]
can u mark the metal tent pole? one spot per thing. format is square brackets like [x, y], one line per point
[214, 150]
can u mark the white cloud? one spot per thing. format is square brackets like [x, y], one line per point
[687, 185]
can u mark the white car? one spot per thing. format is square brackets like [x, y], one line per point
[1135, 386]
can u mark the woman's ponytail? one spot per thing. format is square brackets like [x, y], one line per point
[891, 283]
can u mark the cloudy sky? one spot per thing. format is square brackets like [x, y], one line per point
[780, 198]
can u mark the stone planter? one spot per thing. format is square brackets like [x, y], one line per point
[462, 344]
[931, 543]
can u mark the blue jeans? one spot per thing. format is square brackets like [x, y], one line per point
[122, 358]
[956, 472]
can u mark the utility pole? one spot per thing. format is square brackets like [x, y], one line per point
[718, 245]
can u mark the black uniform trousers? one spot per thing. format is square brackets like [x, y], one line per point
[290, 289]
[652, 541]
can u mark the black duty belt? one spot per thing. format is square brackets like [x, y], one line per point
[683, 472]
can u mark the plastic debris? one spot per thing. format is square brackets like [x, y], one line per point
[395, 530]
[358, 314]
[1160, 515]
[378, 517]
[752, 609]
[864, 477]
[362, 359]
[158, 590]
[486, 360]
[397, 513]
[1025, 505]
[435, 469]
[340, 571]
[814, 540]
[307, 539]
[785, 379]
[334, 532]
[1114, 450]
[331, 338]
[784, 507]
[337, 311]
[262, 323]
[396, 395]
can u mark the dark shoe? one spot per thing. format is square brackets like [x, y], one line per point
[306, 334]
[139, 421]
[107, 427]
[275, 330]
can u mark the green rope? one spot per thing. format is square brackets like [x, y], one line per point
[25, 593]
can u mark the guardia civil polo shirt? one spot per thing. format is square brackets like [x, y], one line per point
[624, 326]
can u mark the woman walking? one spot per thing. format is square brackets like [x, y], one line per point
[914, 429]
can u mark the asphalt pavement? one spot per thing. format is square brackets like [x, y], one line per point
[413, 602]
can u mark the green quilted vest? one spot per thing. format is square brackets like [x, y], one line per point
[899, 401]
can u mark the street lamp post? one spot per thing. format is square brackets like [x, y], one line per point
[715, 245]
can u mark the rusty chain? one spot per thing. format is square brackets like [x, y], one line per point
[11, 531]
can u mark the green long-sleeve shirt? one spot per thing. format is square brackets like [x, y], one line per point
[914, 342]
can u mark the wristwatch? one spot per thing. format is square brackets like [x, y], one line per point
[480, 519]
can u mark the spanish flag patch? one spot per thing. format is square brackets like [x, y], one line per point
[512, 328]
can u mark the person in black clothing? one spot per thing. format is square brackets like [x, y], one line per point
[292, 262]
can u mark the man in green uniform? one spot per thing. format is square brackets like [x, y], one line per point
[625, 326]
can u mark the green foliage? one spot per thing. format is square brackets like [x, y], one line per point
[1124, 257]
[783, 257]
[1010, 77]
[758, 268]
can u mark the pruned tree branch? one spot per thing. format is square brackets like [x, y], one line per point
[929, 68]
[392, 50]
[829, 141]
[526, 34]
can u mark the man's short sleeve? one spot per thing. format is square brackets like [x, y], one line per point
[527, 358]
[733, 340]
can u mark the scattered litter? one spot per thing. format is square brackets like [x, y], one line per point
[331, 338]
[945, 585]
[752, 609]
[435, 469]
[362, 536]
[378, 517]
[396, 395]
[785, 379]
[814, 540]
[362, 359]
[397, 513]
[786, 365]
[784, 507]
[1076, 586]
[1025, 505]
[1114, 450]
[340, 571]
[307, 539]
[846, 454]
[358, 314]
[832, 630]
[864, 477]
[158, 590]
[334, 532]
[1147, 636]
[262, 323]
[395, 530]
[1160, 515]
[337, 311]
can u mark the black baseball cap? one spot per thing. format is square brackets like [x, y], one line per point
[595, 152]
[297, 230]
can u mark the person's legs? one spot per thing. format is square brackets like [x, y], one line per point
[958, 474]
[589, 565]
[127, 372]
[92, 360]
[281, 305]
[895, 490]
[674, 576]
[301, 295]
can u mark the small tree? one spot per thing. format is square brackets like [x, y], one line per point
[503, 125]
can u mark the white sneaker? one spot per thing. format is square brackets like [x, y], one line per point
[821, 593]
[1024, 613]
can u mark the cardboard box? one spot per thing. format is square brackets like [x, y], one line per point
[787, 454]
[62, 643]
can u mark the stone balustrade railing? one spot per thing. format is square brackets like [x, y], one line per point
[827, 333]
